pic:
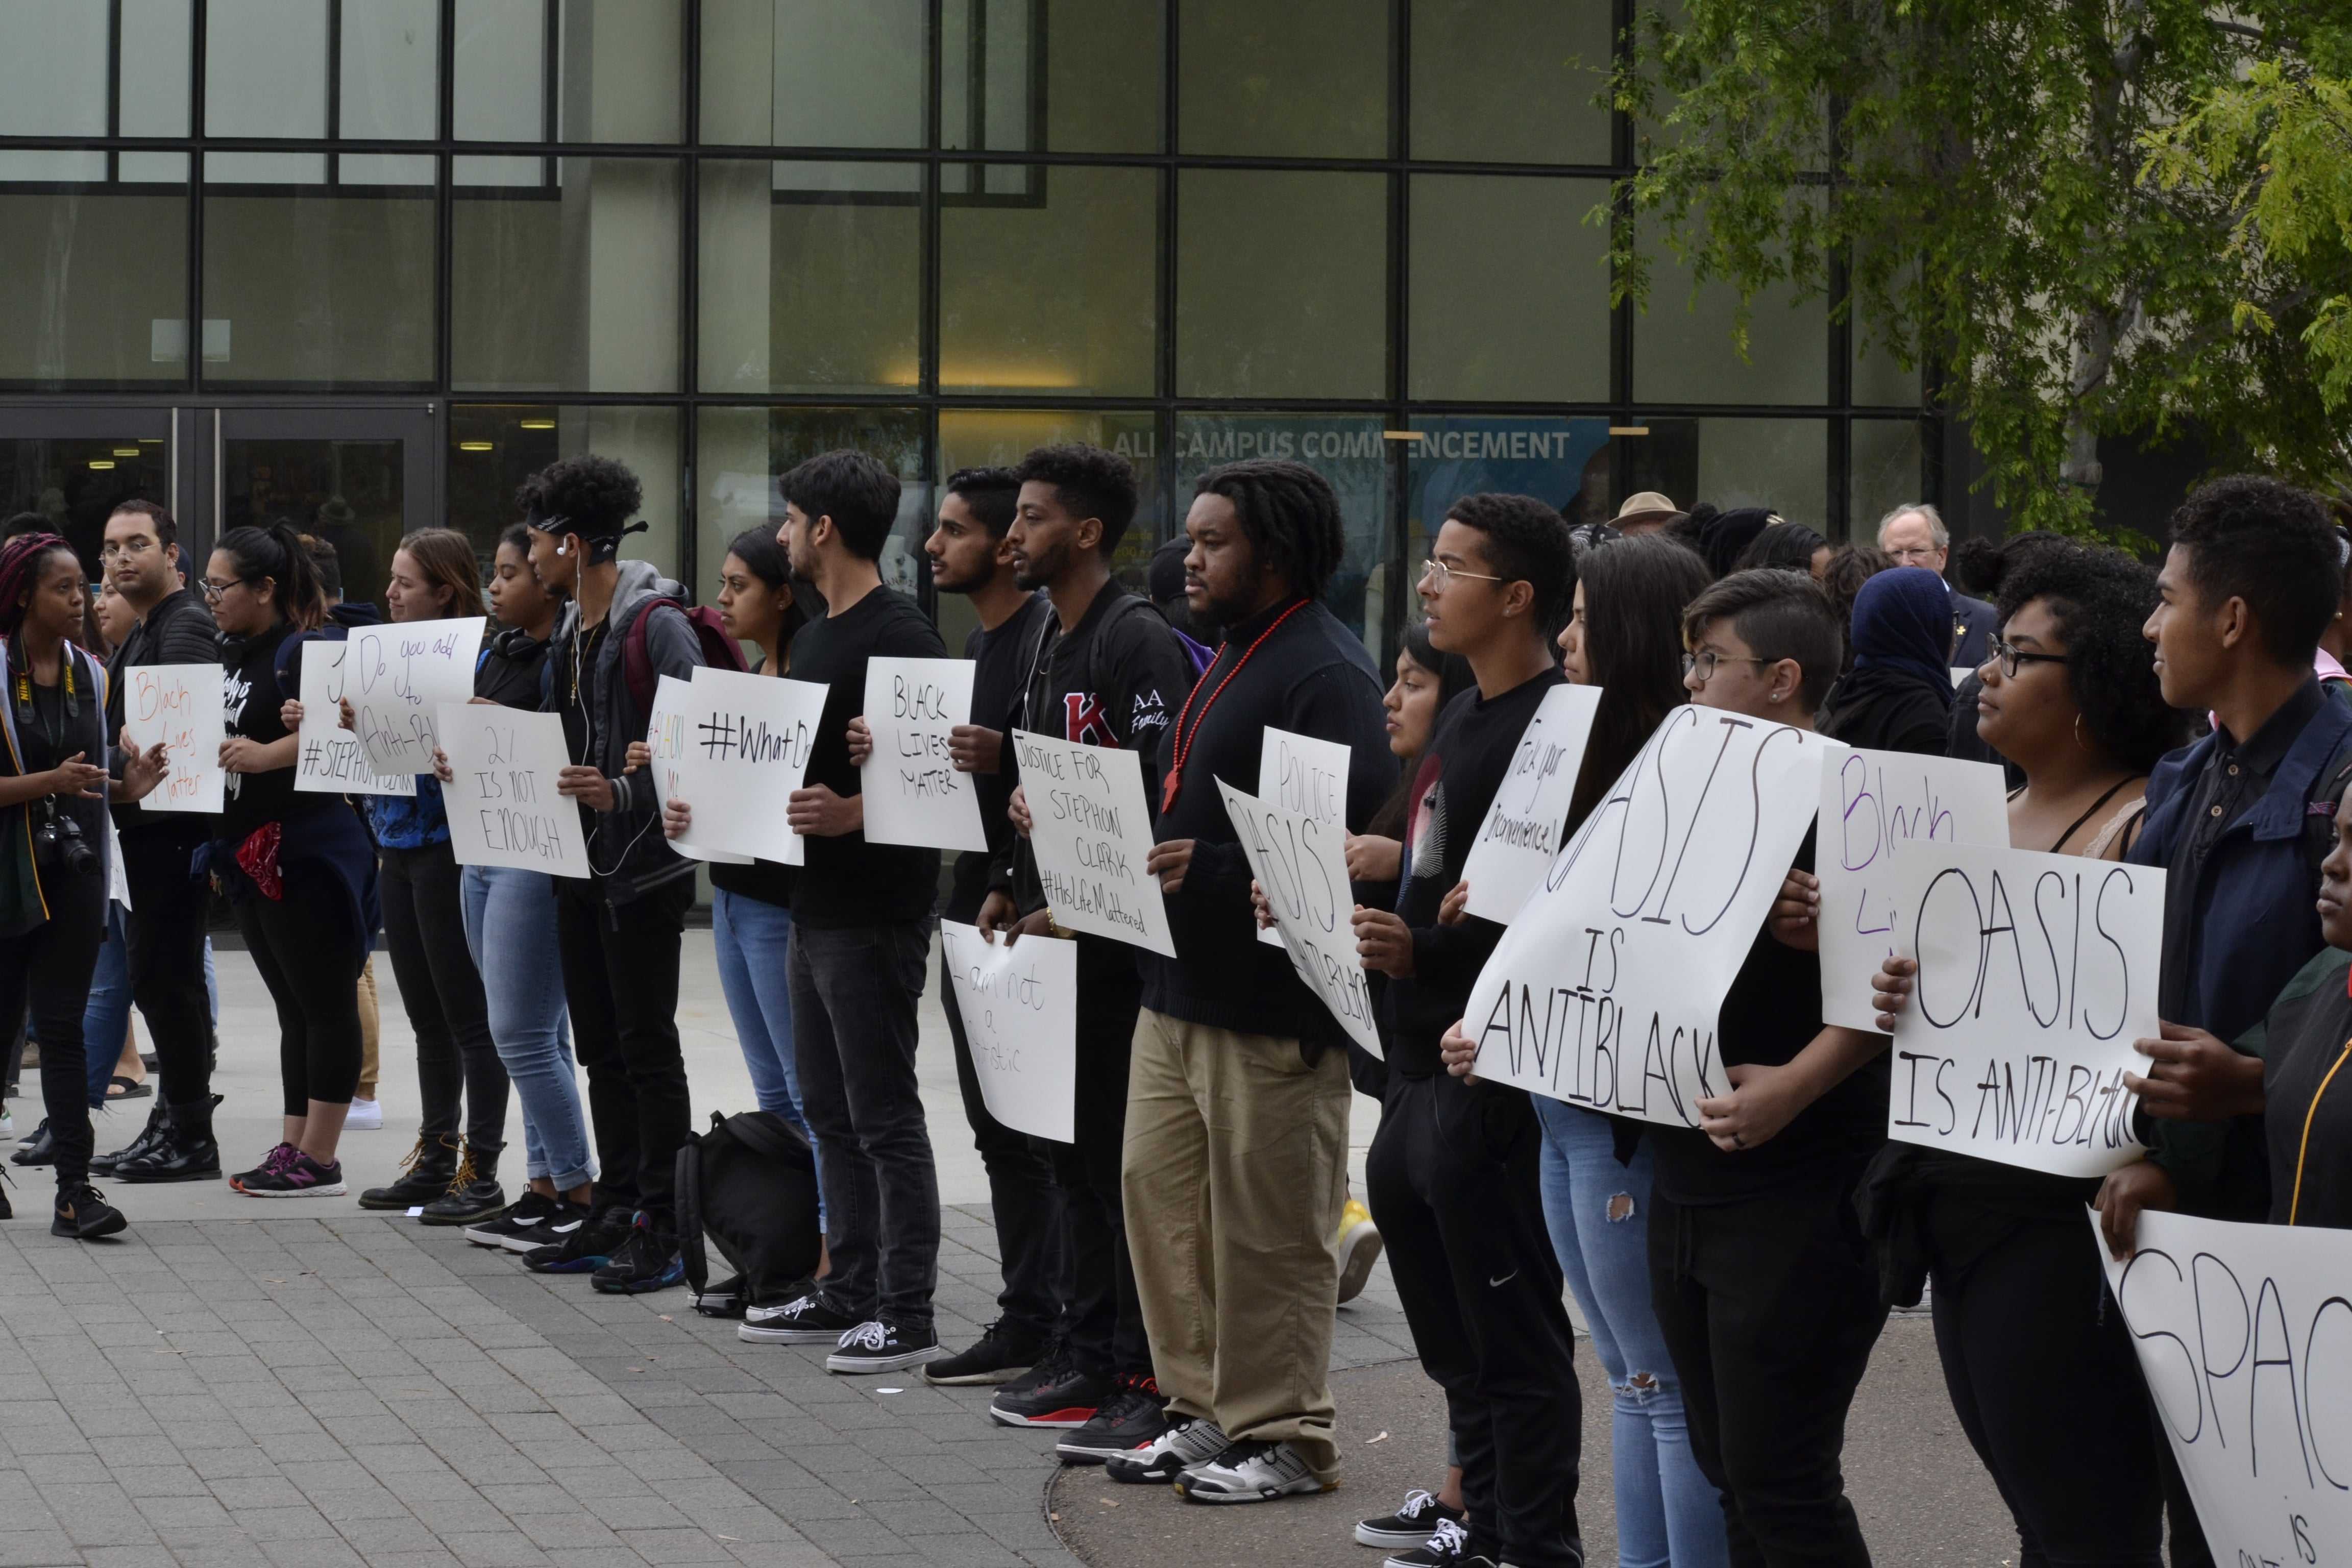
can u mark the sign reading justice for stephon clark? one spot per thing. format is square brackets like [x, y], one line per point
[1091, 831]
[1605, 990]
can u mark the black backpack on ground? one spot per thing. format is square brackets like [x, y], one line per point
[750, 1184]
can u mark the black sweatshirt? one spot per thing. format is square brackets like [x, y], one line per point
[1311, 678]
[848, 881]
[997, 674]
[1468, 756]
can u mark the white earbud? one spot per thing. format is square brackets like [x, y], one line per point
[563, 549]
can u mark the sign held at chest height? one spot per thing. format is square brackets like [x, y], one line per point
[1606, 988]
[1019, 1004]
[1520, 836]
[398, 675]
[502, 804]
[1091, 832]
[747, 743]
[913, 792]
[330, 761]
[665, 738]
[1302, 865]
[1303, 774]
[182, 708]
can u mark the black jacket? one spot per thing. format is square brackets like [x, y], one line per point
[178, 630]
[1887, 708]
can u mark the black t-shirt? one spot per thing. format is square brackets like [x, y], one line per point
[251, 696]
[996, 679]
[848, 881]
[1772, 1011]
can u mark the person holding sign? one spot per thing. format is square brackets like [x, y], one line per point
[1235, 1167]
[2069, 695]
[53, 797]
[1451, 1173]
[297, 868]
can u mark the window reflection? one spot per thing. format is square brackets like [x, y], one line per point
[493, 448]
[1282, 284]
[1084, 324]
[740, 452]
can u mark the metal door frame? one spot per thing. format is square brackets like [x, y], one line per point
[418, 426]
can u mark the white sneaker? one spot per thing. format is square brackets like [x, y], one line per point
[366, 1116]
[1188, 1441]
[7, 1124]
[1252, 1470]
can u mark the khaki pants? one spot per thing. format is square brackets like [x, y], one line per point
[371, 1030]
[1236, 1169]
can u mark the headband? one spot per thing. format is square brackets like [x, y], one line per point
[601, 546]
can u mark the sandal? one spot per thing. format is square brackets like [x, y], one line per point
[121, 1088]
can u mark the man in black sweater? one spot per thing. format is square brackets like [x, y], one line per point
[861, 943]
[1451, 1172]
[1237, 1100]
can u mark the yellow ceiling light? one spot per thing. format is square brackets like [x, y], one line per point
[537, 423]
[101, 462]
[151, 440]
[126, 451]
[477, 446]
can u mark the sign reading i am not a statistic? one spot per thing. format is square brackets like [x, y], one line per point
[1091, 834]
[1018, 1003]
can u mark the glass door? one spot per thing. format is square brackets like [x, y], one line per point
[71, 464]
[357, 477]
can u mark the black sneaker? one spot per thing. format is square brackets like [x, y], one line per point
[1129, 1419]
[588, 1248]
[40, 1149]
[532, 1220]
[270, 1163]
[1003, 1353]
[1414, 1523]
[1448, 1546]
[84, 1215]
[722, 1298]
[880, 1346]
[646, 1260]
[1187, 1441]
[1070, 1398]
[810, 1320]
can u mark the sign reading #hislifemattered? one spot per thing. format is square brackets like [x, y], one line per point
[1091, 832]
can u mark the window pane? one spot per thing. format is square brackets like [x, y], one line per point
[1307, 79]
[1478, 330]
[156, 67]
[1879, 379]
[1562, 461]
[392, 55]
[1090, 82]
[813, 73]
[502, 55]
[614, 66]
[1779, 463]
[98, 288]
[493, 448]
[741, 452]
[1884, 472]
[811, 277]
[75, 483]
[567, 285]
[1082, 324]
[52, 68]
[1345, 448]
[306, 284]
[265, 67]
[350, 493]
[1684, 350]
[1510, 81]
[1281, 284]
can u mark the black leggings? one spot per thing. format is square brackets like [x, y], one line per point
[309, 958]
[48, 968]
[424, 931]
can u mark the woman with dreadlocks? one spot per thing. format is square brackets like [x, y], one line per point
[53, 865]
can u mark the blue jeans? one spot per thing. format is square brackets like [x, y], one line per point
[754, 941]
[1597, 1212]
[510, 930]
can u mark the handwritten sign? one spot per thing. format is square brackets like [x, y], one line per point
[747, 744]
[665, 738]
[1020, 1011]
[1607, 986]
[1091, 832]
[1873, 804]
[1301, 773]
[1521, 834]
[502, 804]
[1302, 865]
[397, 677]
[328, 761]
[118, 877]
[913, 792]
[2036, 973]
[183, 706]
[2246, 1336]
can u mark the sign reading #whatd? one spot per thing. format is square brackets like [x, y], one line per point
[1606, 988]
[1091, 834]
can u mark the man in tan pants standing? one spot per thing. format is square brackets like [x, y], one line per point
[1236, 1144]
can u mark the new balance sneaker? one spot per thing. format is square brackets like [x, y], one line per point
[646, 1260]
[810, 1320]
[1068, 1397]
[1003, 1353]
[1448, 1546]
[1132, 1416]
[299, 1177]
[1252, 1470]
[589, 1248]
[1359, 1247]
[879, 1346]
[83, 1215]
[269, 1163]
[532, 1220]
[1189, 1440]
[721, 1298]
[1414, 1523]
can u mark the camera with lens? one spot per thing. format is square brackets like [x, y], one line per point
[59, 846]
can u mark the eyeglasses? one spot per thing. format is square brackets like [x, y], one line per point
[216, 591]
[1437, 575]
[2010, 658]
[1706, 661]
[139, 546]
[1915, 554]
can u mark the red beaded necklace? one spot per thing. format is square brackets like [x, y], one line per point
[1183, 747]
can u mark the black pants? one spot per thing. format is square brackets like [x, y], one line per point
[424, 931]
[309, 958]
[163, 941]
[1021, 1192]
[49, 970]
[1769, 1307]
[1451, 1179]
[854, 1034]
[2021, 1307]
[1102, 1316]
[620, 981]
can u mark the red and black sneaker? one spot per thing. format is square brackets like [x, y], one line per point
[1132, 1416]
[1061, 1397]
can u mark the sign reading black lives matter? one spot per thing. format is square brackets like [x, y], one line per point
[1091, 832]
[2036, 973]
[2244, 1334]
[1606, 989]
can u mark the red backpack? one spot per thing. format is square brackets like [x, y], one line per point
[720, 651]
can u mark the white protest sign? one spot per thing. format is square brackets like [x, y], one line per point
[1301, 773]
[1521, 834]
[665, 738]
[183, 707]
[502, 800]
[118, 878]
[1091, 831]
[1020, 1011]
[1302, 865]
[1606, 988]
[328, 761]
[1873, 804]
[913, 792]
[2036, 973]
[747, 744]
[1960, 672]
[398, 675]
[2245, 1337]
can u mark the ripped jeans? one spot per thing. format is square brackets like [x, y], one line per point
[1598, 1213]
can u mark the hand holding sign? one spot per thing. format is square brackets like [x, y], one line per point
[1521, 833]
[1018, 1003]
[180, 707]
[746, 740]
[503, 807]
[1093, 839]
[914, 793]
[666, 754]
[397, 677]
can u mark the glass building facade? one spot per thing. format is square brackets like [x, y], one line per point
[366, 263]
